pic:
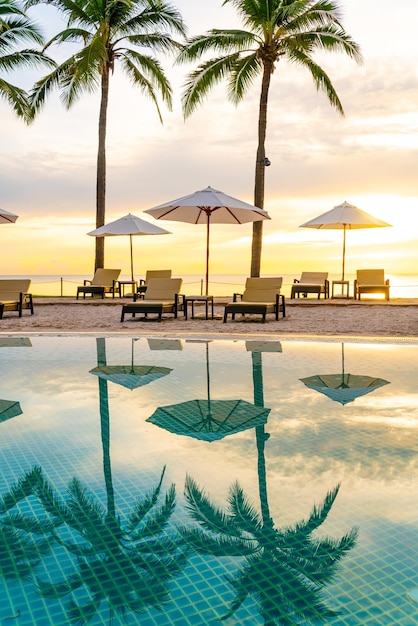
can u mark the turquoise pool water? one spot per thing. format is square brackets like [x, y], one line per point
[245, 439]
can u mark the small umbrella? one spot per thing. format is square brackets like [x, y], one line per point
[343, 388]
[6, 217]
[344, 217]
[9, 409]
[208, 206]
[128, 225]
[209, 420]
[130, 376]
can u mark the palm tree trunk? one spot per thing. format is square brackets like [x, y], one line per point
[261, 437]
[260, 170]
[101, 170]
[105, 429]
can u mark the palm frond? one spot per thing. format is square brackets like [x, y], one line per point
[243, 75]
[205, 543]
[245, 515]
[142, 507]
[82, 613]
[87, 514]
[158, 15]
[147, 73]
[224, 42]
[160, 546]
[157, 519]
[17, 99]
[318, 514]
[207, 514]
[29, 524]
[21, 489]
[60, 589]
[151, 41]
[200, 81]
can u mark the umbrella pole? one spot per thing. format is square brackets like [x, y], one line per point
[132, 258]
[345, 225]
[207, 253]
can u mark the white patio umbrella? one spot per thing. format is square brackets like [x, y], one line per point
[345, 217]
[208, 206]
[128, 225]
[6, 217]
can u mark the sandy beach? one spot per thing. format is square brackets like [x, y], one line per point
[397, 318]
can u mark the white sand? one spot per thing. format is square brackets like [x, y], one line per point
[398, 318]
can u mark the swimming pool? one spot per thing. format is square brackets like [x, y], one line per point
[246, 438]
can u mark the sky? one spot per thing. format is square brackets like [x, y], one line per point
[319, 159]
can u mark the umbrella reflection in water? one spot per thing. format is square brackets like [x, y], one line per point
[130, 376]
[343, 388]
[11, 408]
[207, 419]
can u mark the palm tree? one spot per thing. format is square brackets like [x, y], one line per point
[17, 29]
[278, 30]
[284, 569]
[127, 563]
[127, 32]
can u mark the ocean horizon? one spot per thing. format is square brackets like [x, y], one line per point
[65, 285]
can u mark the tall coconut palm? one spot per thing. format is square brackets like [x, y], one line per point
[16, 29]
[127, 563]
[285, 568]
[277, 30]
[128, 32]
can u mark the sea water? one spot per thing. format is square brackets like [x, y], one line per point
[220, 285]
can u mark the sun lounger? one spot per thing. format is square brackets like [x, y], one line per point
[261, 296]
[162, 296]
[371, 281]
[311, 282]
[14, 296]
[104, 281]
[143, 284]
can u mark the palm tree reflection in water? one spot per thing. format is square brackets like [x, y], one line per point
[285, 569]
[126, 563]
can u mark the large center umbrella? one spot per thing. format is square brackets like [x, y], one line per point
[208, 206]
[207, 419]
[130, 376]
[128, 225]
[343, 388]
[6, 217]
[345, 217]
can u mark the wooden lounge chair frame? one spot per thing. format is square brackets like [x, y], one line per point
[143, 283]
[311, 282]
[261, 296]
[162, 296]
[104, 281]
[371, 281]
[14, 296]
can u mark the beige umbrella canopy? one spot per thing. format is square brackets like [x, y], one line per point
[6, 217]
[208, 206]
[345, 217]
[128, 225]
